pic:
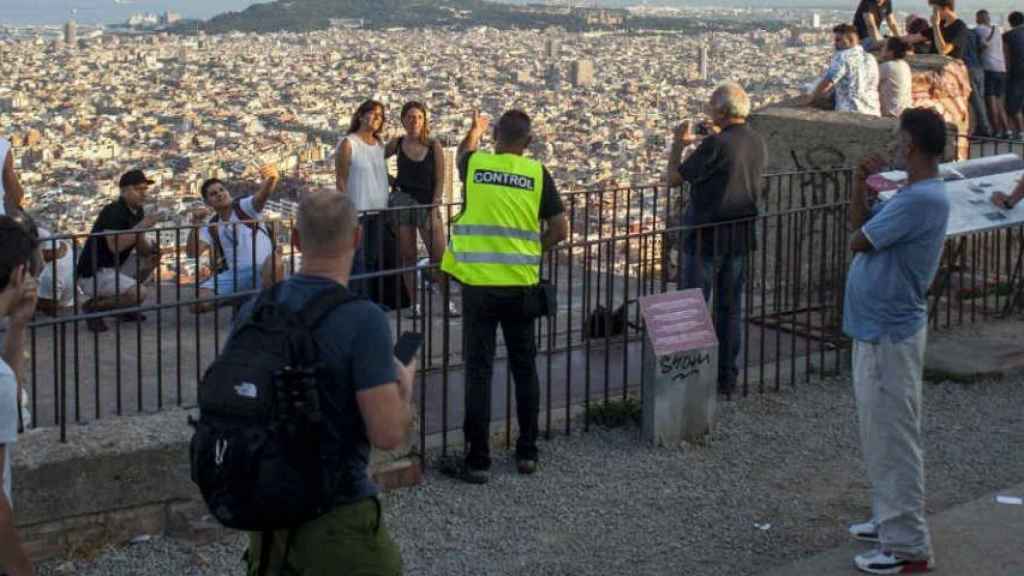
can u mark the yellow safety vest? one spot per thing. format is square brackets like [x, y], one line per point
[495, 241]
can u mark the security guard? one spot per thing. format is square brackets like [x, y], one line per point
[495, 253]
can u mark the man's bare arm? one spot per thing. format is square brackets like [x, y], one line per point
[14, 194]
[387, 409]
[555, 232]
[13, 556]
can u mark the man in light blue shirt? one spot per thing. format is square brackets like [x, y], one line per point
[898, 244]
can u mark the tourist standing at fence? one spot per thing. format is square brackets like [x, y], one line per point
[10, 186]
[725, 175]
[495, 254]
[897, 246]
[17, 304]
[417, 195]
[953, 38]
[111, 268]
[240, 243]
[1013, 53]
[852, 75]
[361, 173]
[990, 45]
[868, 21]
[895, 79]
[368, 403]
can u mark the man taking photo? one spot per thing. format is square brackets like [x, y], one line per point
[725, 176]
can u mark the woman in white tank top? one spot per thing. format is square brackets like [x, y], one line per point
[361, 172]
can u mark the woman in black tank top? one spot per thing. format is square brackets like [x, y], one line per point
[416, 197]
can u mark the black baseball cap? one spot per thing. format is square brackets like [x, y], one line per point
[133, 178]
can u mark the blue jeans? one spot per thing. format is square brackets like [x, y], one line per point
[230, 281]
[723, 276]
[977, 101]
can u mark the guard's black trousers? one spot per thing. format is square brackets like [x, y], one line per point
[483, 310]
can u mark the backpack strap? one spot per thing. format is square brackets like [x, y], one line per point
[213, 228]
[246, 219]
[323, 303]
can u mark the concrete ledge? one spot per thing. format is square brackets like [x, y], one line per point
[980, 538]
[986, 350]
[120, 478]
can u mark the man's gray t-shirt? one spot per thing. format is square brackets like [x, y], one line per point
[8, 421]
[355, 343]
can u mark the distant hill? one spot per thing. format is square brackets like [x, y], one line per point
[305, 15]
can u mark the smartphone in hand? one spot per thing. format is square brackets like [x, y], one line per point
[408, 345]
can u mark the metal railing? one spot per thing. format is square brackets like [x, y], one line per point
[624, 244]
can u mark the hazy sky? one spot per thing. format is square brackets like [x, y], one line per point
[111, 11]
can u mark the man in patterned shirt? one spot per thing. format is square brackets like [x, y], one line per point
[852, 76]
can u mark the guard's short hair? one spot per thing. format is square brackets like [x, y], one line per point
[326, 220]
[1015, 19]
[926, 128]
[898, 47]
[844, 29]
[951, 4]
[19, 248]
[514, 128]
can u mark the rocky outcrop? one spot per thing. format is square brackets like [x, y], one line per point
[809, 139]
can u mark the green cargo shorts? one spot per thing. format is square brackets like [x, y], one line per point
[348, 541]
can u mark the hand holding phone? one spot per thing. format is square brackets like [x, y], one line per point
[409, 344]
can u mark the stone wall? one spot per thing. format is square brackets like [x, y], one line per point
[118, 479]
[803, 138]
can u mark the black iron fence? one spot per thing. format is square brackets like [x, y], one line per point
[624, 244]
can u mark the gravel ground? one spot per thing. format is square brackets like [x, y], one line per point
[603, 503]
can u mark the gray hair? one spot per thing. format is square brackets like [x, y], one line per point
[731, 100]
[326, 221]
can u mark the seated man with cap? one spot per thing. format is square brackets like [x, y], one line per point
[112, 267]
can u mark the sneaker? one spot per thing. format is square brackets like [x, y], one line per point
[455, 467]
[526, 466]
[882, 562]
[414, 312]
[865, 532]
[96, 325]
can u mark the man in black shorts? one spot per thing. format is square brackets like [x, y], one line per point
[1013, 52]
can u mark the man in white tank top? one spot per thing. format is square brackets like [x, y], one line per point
[10, 187]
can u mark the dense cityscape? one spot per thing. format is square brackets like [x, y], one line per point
[84, 105]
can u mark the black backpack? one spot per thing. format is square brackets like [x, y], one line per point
[255, 454]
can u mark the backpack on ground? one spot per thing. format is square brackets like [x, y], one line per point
[255, 454]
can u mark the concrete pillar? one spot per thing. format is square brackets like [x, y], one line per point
[680, 384]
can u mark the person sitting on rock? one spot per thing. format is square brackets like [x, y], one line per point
[852, 76]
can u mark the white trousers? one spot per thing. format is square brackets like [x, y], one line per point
[887, 385]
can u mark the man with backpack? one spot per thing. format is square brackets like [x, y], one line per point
[305, 385]
[239, 244]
